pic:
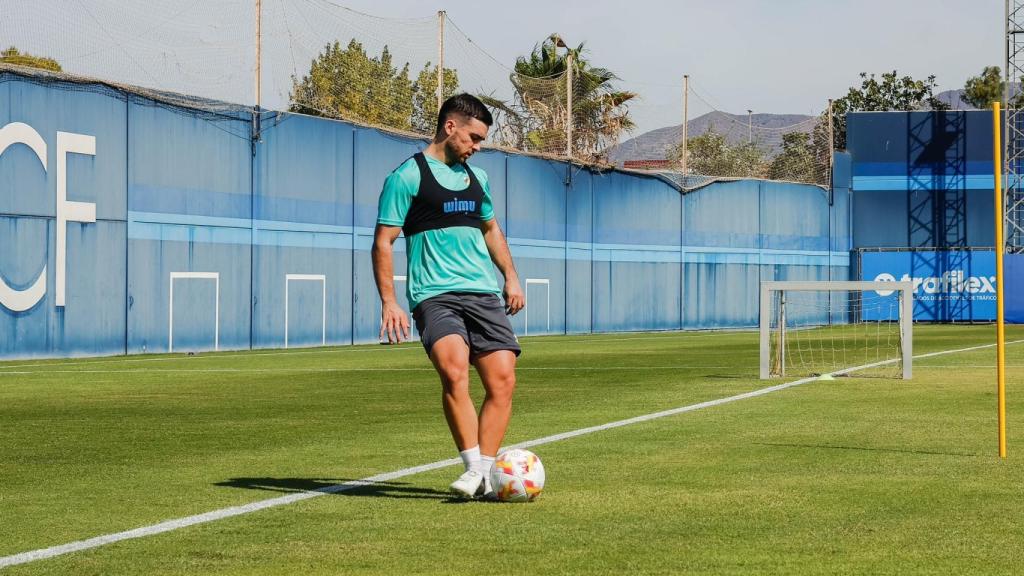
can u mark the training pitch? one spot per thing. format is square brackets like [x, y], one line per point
[336, 461]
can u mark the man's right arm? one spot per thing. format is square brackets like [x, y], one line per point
[392, 207]
[394, 322]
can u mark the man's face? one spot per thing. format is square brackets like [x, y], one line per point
[465, 135]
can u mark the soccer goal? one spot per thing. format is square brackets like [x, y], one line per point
[814, 328]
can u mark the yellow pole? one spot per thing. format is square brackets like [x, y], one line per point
[1000, 336]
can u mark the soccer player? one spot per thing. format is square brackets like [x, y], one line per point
[443, 206]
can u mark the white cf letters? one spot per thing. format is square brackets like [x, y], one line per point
[67, 143]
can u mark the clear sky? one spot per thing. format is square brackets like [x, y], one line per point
[778, 56]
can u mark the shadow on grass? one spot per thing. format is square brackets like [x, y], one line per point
[866, 449]
[342, 487]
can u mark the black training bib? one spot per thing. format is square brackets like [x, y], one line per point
[437, 207]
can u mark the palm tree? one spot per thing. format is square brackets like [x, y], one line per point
[536, 118]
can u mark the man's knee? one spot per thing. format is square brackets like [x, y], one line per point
[500, 385]
[454, 376]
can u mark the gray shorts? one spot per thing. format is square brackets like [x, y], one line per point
[479, 318]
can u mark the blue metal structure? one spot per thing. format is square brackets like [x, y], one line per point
[922, 183]
[921, 179]
[208, 236]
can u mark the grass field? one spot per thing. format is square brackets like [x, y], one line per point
[851, 476]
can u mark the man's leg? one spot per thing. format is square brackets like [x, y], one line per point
[450, 356]
[497, 370]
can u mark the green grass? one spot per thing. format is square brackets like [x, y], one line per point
[852, 476]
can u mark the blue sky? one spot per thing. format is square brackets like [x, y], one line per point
[782, 56]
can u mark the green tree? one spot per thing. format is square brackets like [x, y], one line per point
[424, 115]
[982, 90]
[13, 56]
[891, 93]
[348, 84]
[796, 161]
[707, 153]
[749, 161]
[710, 155]
[536, 118]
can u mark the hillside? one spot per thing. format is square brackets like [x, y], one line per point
[765, 129]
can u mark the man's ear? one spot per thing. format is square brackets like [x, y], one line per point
[449, 126]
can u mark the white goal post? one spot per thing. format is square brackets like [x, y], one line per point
[844, 312]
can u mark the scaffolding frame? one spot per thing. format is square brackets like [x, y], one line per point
[1013, 130]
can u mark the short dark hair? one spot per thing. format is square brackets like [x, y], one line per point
[466, 105]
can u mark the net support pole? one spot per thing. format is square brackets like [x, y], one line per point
[568, 98]
[259, 43]
[686, 119]
[256, 129]
[440, 58]
[1000, 244]
[831, 156]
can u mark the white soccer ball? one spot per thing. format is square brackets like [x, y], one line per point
[517, 476]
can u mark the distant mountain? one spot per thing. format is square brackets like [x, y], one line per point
[765, 129]
[955, 99]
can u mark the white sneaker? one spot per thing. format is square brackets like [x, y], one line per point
[468, 484]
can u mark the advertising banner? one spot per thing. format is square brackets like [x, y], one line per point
[949, 286]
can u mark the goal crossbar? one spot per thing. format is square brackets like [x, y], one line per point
[906, 303]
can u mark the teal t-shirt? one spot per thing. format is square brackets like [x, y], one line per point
[453, 259]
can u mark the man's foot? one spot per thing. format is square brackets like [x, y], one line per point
[468, 484]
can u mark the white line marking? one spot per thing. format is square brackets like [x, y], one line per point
[315, 370]
[518, 369]
[526, 309]
[215, 276]
[345, 349]
[44, 553]
[170, 525]
[322, 279]
[4, 369]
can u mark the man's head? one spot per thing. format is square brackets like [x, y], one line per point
[462, 125]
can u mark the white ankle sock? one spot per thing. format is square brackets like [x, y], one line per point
[471, 457]
[486, 463]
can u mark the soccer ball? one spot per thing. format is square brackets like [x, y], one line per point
[517, 476]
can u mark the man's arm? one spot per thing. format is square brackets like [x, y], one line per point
[498, 249]
[393, 320]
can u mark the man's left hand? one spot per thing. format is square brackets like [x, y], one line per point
[514, 298]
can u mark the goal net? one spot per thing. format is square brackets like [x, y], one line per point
[817, 328]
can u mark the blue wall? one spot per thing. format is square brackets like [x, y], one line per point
[206, 240]
[1014, 270]
[189, 208]
[921, 179]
